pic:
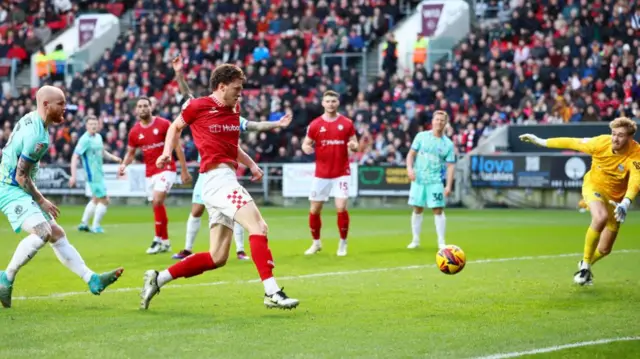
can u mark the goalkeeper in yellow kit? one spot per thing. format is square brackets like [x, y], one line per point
[608, 188]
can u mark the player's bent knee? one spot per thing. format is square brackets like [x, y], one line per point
[418, 210]
[197, 210]
[219, 257]
[437, 211]
[57, 232]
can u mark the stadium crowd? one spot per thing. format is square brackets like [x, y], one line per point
[554, 61]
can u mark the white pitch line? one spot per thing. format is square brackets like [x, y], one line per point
[320, 275]
[558, 348]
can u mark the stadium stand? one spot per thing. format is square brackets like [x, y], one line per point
[553, 61]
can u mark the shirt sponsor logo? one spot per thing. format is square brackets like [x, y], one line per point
[150, 147]
[224, 128]
[332, 142]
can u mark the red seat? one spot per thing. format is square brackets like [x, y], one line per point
[5, 70]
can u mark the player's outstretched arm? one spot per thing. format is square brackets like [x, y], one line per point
[180, 78]
[307, 145]
[111, 157]
[263, 126]
[172, 139]
[570, 143]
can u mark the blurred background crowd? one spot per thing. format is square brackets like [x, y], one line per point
[552, 61]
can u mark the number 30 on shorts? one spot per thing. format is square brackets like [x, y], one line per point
[438, 196]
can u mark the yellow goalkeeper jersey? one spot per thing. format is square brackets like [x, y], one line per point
[615, 174]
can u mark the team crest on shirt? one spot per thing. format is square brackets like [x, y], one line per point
[621, 168]
[141, 136]
[155, 131]
[322, 129]
[38, 150]
[340, 127]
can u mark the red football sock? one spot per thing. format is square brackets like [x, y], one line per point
[261, 255]
[160, 215]
[193, 265]
[343, 224]
[315, 224]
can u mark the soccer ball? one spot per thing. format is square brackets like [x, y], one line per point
[450, 259]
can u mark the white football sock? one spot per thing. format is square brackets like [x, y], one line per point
[238, 233]
[69, 256]
[441, 224]
[88, 212]
[101, 210]
[26, 250]
[416, 226]
[164, 277]
[270, 286]
[193, 227]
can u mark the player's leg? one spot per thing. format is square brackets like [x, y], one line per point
[436, 201]
[250, 218]
[70, 258]
[417, 199]
[238, 235]
[605, 245]
[341, 191]
[220, 235]
[102, 202]
[162, 184]
[194, 220]
[193, 228]
[89, 211]
[599, 218]
[24, 215]
[320, 190]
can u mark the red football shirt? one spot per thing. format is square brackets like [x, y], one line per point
[216, 130]
[331, 137]
[151, 139]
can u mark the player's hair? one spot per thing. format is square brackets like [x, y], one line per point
[443, 113]
[225, 74]
[331, 93]
[90, 118]
[144, 98]
[624, 122]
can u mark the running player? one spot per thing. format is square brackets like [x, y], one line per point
[215, 125]
[91, 148]
[26, 208]
[429, 153]
[197, 206]
[149, 134]
[608, 188]
[333, 136]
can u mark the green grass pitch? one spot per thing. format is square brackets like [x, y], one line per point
[381, 301]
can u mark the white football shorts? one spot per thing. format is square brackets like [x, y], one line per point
[160, 182]
[223, 195]
[322, 188]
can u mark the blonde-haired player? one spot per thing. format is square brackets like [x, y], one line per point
[608, 188]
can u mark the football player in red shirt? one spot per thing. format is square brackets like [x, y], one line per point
[197, 206]
[333, 135]
[215, 126]
[149, 134]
